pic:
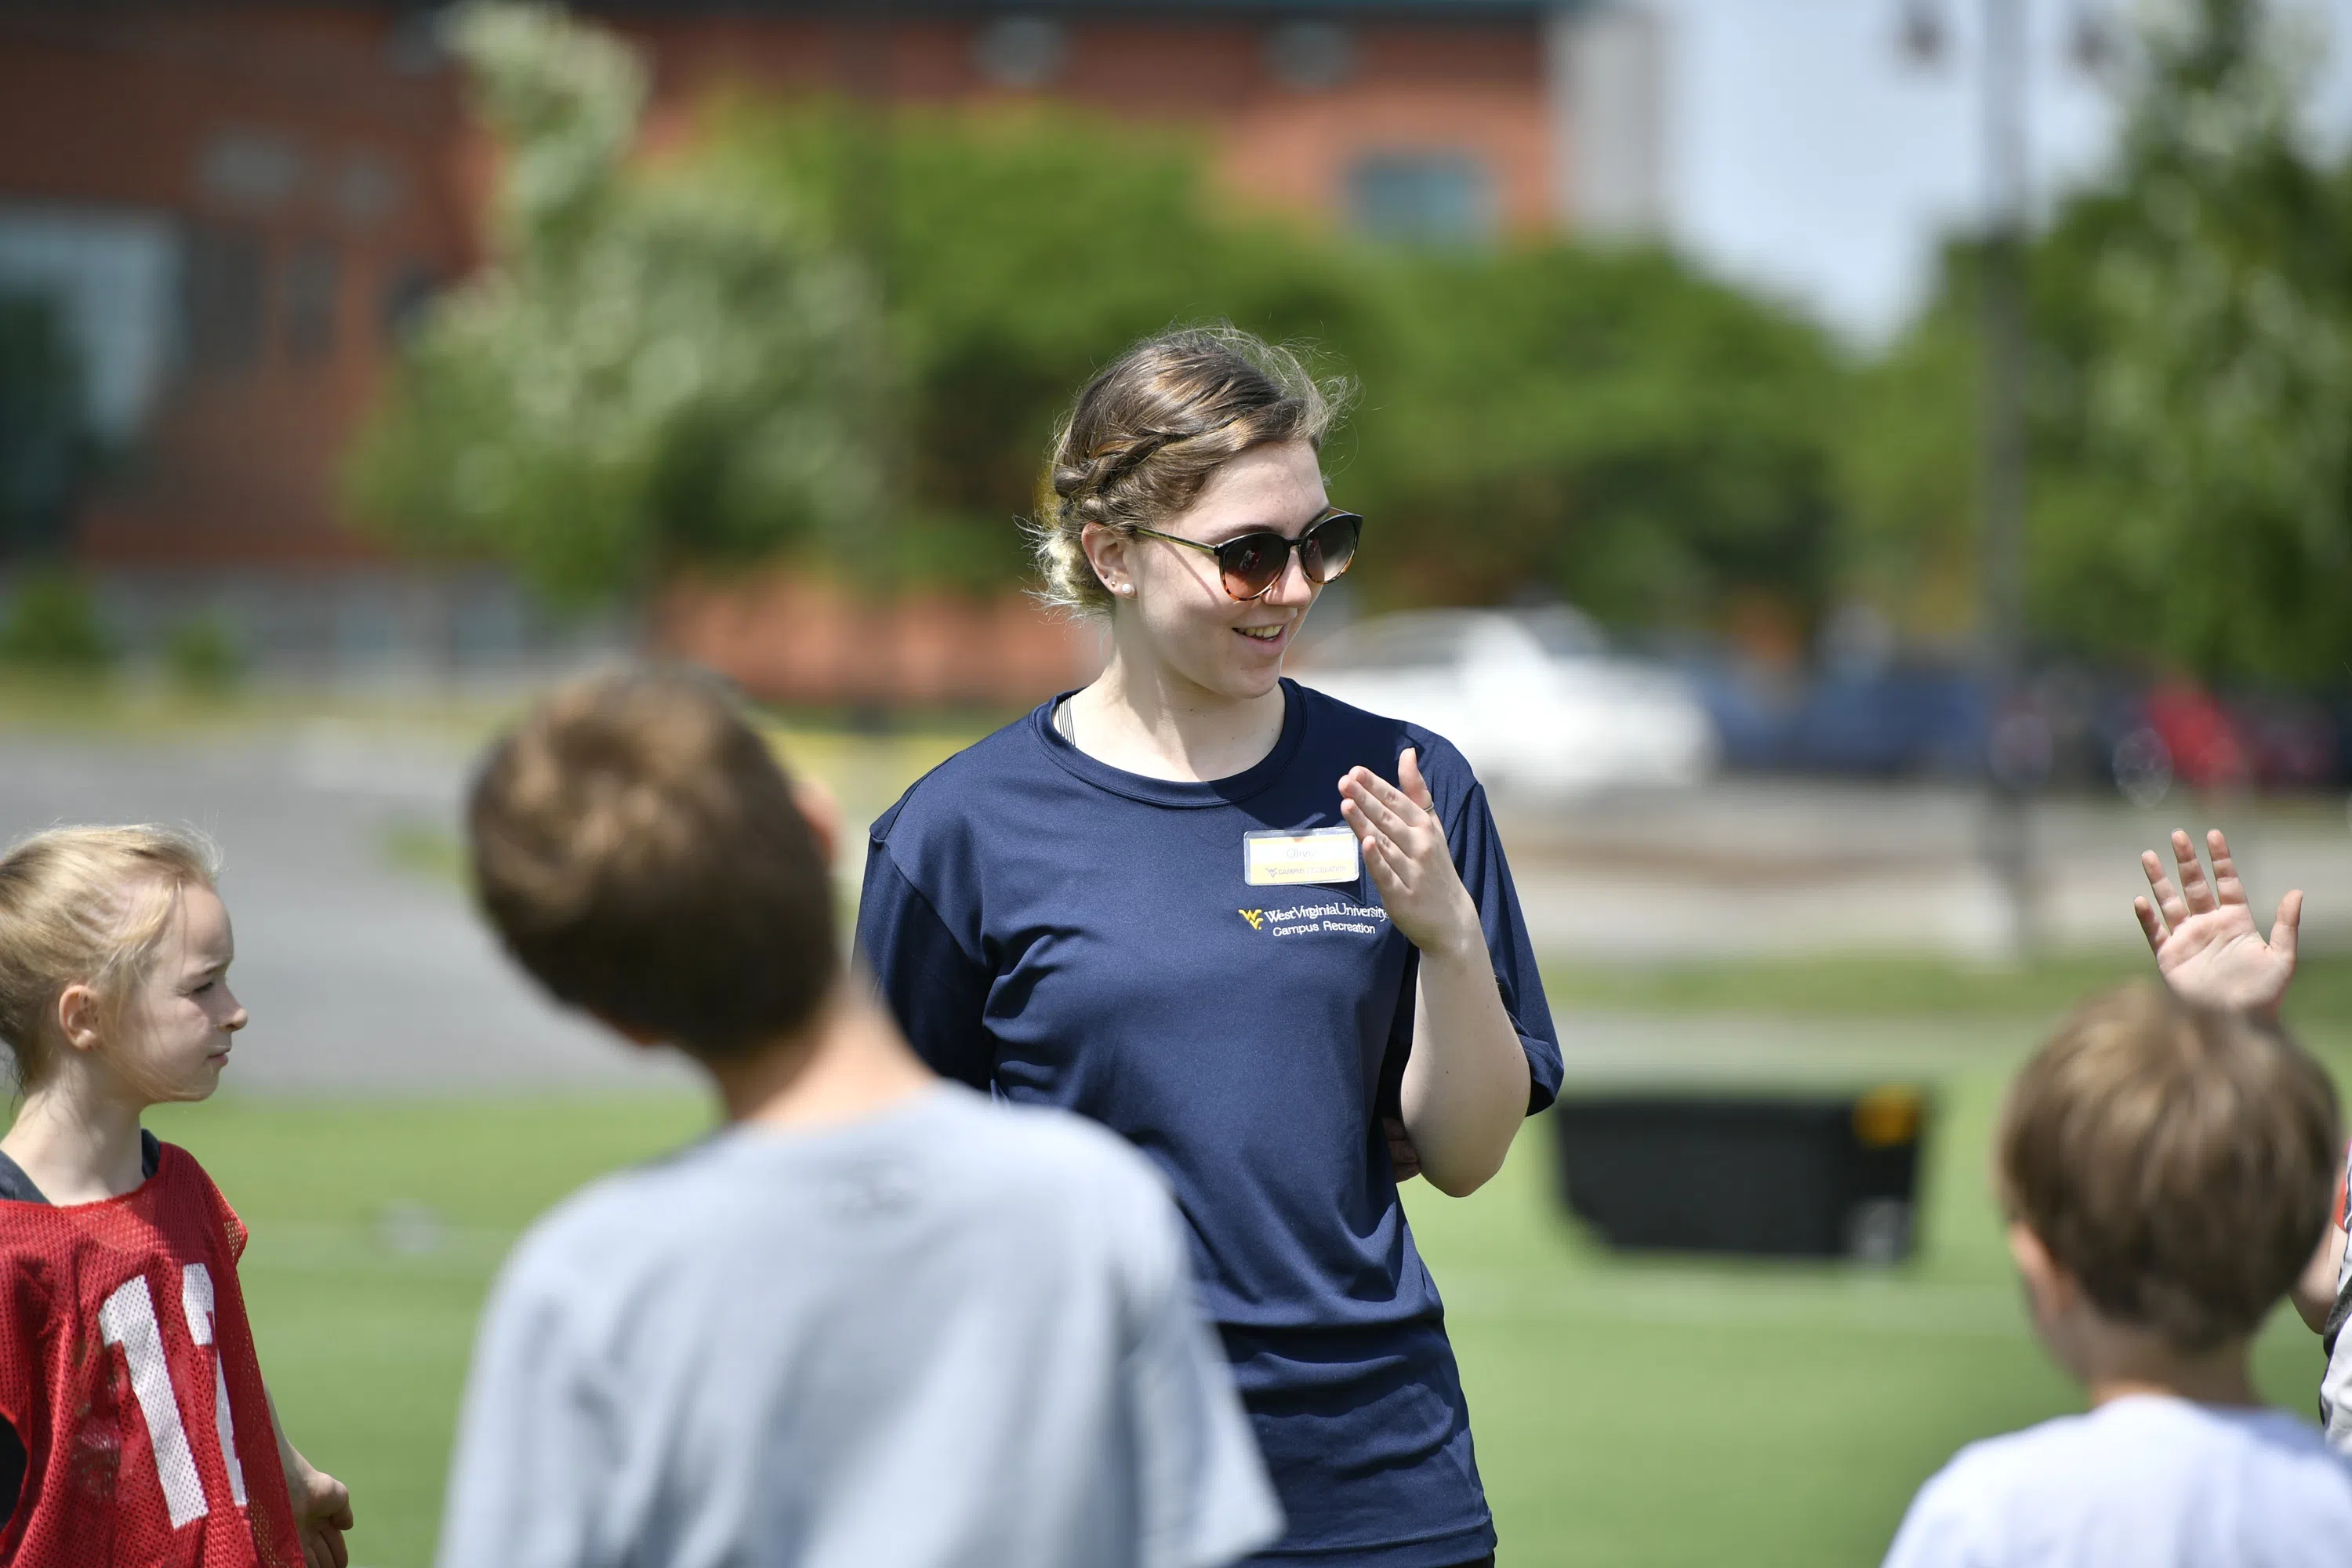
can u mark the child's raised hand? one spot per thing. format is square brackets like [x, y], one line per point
[2206, 944]
[322, 1511]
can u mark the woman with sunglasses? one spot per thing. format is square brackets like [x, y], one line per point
[1268, 938]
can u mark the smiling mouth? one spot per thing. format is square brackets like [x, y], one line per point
[1262, 633]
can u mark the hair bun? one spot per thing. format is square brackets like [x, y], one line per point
[1148, 430]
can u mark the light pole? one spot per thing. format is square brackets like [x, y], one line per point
[2006, 824]
[2015, 745]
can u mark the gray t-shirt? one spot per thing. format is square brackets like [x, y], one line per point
[955, 1333]
[2145, 1481]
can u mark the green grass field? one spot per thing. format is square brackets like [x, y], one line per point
[1886, 986]
[1627, 1412]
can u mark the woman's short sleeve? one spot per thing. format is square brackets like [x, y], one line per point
[1478, 854]
[936, 990]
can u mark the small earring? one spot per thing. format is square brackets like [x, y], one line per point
[1128, 588]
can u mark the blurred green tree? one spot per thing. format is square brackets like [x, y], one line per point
[1908, 470]
[53, 626]
[1018, 253]
[2190, 399]
[679, 364]
[202, 654]
[1610, 426]
[2204, 307]
[659, 370]
[1603, 423]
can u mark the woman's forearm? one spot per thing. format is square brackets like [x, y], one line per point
[1465, 1086]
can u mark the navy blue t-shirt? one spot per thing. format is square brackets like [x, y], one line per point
[1067, 933]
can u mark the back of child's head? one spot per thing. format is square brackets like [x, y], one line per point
[2177, 1161]
[85, 905]
[639, 850]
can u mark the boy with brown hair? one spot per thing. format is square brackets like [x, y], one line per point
[2209, 950]
[2165, 1171]
[873, 1320]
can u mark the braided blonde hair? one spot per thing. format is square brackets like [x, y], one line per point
[87, 906]
[1150, 429]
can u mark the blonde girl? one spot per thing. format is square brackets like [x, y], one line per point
[136, 1425]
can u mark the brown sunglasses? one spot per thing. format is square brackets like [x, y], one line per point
[1252, 563]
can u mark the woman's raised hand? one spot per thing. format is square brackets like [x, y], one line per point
[1410, 863]
[2203, 934]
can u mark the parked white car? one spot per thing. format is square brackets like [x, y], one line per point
[1534, 699]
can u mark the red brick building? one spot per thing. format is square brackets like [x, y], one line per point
[235, 205]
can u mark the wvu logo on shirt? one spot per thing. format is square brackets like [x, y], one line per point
[1304, 919]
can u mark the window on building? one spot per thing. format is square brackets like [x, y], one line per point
[225, 293]
[1310, 57]
[251, 169]
[364, 188]
[1021, 52]
[109, 275]
[312, 282]
[406, 291]
[1421, 197]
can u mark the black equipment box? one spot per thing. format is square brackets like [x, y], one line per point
[1773, 1175]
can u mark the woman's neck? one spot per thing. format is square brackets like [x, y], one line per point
[76, 1145]
[1146, 718]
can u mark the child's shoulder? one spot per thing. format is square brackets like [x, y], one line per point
[1042, 1146]
[2143, 1439]
[1015, 1164]
[1986, 1473]
[2146, 1465]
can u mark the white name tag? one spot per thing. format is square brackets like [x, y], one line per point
[1279, 859]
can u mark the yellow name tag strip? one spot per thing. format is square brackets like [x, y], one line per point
[1281, 859]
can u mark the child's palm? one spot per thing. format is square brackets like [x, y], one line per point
[2203, 934]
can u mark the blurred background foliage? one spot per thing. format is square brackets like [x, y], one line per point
[842, 336]
[2190, 392]
[658, 369]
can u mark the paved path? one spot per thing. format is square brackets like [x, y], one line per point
[367, 975]
[1766, 866]
[360, 974]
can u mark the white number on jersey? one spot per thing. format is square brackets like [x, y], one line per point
[196, 1306]
[128, 1319]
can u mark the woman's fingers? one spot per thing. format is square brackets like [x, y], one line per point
[1388, 867]
[1386, 810]
[2194, 889]
[1368, 831]
[1396, 798]
[2151, 927]
[2167, 897]
[1374, 788]
[1410, 780]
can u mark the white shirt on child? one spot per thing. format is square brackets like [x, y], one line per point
[2336, 1385]
[954, 1335]
[2146, 1481]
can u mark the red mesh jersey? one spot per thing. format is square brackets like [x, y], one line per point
[127, 1367]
